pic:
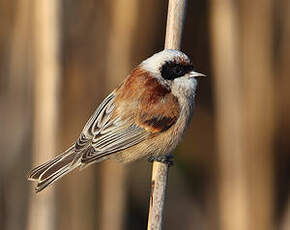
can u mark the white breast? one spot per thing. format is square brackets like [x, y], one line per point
[184, 89]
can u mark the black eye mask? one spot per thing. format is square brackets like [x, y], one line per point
[172, 70]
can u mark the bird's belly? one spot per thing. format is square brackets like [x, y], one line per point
[163, 143]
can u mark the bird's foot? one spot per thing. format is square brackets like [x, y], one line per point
[166, 159]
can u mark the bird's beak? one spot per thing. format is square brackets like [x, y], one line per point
[196, 74]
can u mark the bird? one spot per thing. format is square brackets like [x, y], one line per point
[145, 116]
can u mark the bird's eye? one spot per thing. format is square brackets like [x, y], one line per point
[177, 70]
[171, 70]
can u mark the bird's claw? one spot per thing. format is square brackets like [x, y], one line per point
[166, 159]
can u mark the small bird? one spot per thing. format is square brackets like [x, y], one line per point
[145, 116]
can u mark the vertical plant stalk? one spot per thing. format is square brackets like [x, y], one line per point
[175, 18]
[233, 205]
[259, 109]
[16, 111]
[244, 97]
[46, 77]
[123, 25]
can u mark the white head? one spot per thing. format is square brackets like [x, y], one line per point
[174, 69]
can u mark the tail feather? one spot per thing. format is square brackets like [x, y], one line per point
[51, 171]
[54, 177]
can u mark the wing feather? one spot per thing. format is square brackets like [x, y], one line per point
[106, 133]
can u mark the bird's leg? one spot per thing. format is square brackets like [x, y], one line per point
[167, 159]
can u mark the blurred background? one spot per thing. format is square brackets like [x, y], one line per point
[60, 58]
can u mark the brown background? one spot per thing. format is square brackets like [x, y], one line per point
[231, 171]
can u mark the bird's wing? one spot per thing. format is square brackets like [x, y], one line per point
[106, 133]
[126, 118]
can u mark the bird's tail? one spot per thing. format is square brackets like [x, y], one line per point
[49, 172]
